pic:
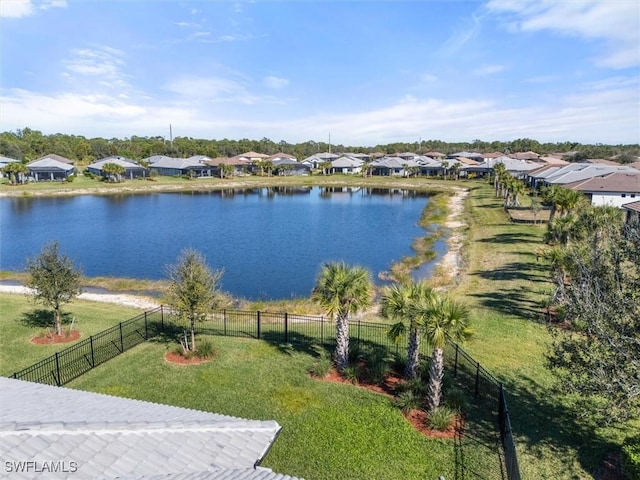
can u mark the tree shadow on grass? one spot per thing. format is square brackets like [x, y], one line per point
[513, 303]
[511, 238]
[540, 421]
[516, 271]
[42, 318]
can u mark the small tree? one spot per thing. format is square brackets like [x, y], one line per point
[193, 290]
[113, 172]
[54, 281]
[16, 171]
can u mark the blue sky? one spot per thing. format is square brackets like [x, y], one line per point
[363, 72]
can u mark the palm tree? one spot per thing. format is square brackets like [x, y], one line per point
[343, 291]
[442, 317]
[397, 303]
[16, 171]
[498, 171]
[113, 172]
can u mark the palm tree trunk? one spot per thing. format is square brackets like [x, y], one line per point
[342, 343]
[436, 373]
[413, 354]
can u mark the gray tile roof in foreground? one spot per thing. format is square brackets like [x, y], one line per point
[110, 437]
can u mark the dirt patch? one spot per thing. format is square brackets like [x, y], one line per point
[417, 418]
[52, 338]
[177, 359]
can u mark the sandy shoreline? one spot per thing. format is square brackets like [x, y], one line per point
[450, 262]
[117, 298]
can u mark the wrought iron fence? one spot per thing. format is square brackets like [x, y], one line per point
[299, 330]
[69, 363]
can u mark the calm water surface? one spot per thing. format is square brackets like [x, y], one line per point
[271, 243]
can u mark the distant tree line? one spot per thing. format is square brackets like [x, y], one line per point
[27, 144]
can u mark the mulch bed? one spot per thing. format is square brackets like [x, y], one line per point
[177, 359]
[52, 338]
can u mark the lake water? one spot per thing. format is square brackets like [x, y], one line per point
[271, 242]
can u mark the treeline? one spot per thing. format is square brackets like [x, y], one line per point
[27, 144]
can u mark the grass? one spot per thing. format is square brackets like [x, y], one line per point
[329, 430]
[506, 288]
[22, 319]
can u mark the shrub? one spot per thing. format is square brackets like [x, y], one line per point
[205, 349]
[441, 418]
[407, 401]
[631, 458]
[322, 364]
[352, 373]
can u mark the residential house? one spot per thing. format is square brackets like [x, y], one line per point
[66, 433]
[289, 166]
[472, 155]
[48, 170]
[131, 169]
[529, 156]
[394, 167]
[348, 165]
[172, 167]
[252, 157]
[517, 168]
[632, 211]
[240, 165]
[436, 155]
[4, 161]
[613, 189]
[572, 172]
[314, 161]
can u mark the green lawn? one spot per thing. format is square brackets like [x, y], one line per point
[329, 430]
[21, 319]
[506, 286]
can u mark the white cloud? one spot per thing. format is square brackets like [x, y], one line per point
[16, 8]
[103, 63]
[275, 82]
[604, 112]
[25, 8]
[617, 23]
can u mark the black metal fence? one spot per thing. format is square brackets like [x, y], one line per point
[69, 363]
[489, 399]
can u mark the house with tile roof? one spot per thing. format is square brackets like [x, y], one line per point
[613, 189]
[168, 166]
[345, 164]
[49, 170]
[131, 169]
[575, 172]
[57, 432]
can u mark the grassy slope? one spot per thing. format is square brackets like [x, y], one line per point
[507, 286]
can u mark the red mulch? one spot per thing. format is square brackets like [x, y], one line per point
[52, 338]
[177, 359]
[417, 418]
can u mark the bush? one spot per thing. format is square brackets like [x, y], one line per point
[631, 458]
[352, 373]
[322, 365]
[441, 418]
[205, 349]
[407, 401]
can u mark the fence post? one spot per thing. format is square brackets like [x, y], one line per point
[224, 321]
[455, 365]
[258, 318]
[58, 379]
[121, 339]
[358, 336]
[161, 318]
[146, 330]
[286, 327]
[93, 357]
[477, 378]
[322, 330]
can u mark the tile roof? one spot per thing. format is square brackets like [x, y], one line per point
[627, 182]
[177, 163]
[123, 162]
[59, 158]
[49, 164]
[110, 437]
